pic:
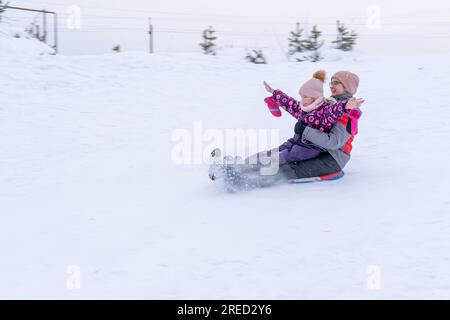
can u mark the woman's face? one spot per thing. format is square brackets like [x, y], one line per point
[336, 87]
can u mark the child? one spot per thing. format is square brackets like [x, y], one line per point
[313, 110]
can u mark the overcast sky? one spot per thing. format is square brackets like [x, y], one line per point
[247, 23]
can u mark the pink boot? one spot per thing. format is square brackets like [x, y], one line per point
[273, 107]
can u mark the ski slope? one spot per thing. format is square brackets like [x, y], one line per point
[87, 179]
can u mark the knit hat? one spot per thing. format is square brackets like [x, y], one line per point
[313, 87]
[349, 80]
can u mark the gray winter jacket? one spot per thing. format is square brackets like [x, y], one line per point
[332, 141]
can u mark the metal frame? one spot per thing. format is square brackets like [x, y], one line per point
[44, 20]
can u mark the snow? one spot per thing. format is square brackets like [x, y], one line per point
[87, 180]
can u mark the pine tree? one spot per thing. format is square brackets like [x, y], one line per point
[256, 57]
[345, 39]
[296, 43]
[116, 49]
[312, 45]
[208, 45]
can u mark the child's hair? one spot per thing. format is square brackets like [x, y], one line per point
[320, 75]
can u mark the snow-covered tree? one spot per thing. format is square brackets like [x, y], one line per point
[116, 49]
[208, 44]
[345, 39]
[312, 46]
[296, 43]
[34, 30]
[2, 8]
[256, 57]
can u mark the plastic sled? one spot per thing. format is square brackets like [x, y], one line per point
[328, 177]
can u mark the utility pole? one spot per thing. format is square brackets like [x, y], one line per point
[55, 26]
[44, 24]
[150, 32]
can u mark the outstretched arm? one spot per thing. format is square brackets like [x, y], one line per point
[287, 103]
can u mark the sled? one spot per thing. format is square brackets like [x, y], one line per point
[328, 177]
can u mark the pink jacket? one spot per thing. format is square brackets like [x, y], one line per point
[323, 118]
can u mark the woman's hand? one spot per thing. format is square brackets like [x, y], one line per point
[354, 103]
[268, 88]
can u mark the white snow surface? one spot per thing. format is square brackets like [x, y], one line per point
[87, 180]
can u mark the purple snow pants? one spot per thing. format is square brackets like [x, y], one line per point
[296, 150]
[290, 151]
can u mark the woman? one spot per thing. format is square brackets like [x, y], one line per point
[337, 144]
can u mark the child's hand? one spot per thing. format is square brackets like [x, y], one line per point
[354, 103]
[268, 88]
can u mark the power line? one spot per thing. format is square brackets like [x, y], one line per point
[271, 17]
[237, 22]
[198, 21]
[258, 34]
[94, 29]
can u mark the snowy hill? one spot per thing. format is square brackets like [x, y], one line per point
[87, 180]
[15, 41]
